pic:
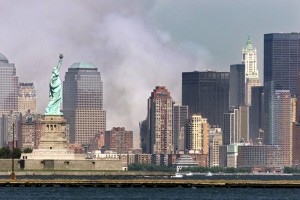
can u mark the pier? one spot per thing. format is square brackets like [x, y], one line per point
[151, 183]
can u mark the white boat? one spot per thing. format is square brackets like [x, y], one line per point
[189, 174]
[177, 175]
[209, 174]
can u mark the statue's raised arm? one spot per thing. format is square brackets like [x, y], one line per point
[55, 90]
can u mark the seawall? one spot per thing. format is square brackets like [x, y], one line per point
[151, 183]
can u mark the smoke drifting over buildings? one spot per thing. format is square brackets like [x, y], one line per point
[131, 53]
[135, 44]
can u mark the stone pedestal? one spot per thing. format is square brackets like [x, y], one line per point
[53, 134]
[53, 142]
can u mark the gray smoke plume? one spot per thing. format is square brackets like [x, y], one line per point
[136, 44]
[132, 55]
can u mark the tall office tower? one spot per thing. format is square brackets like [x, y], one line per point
[9, 128]
[215, 141]
[197, 135]
[83, 102]
[27, 98]
[296, 130]
[231, 127]
[228, 128]
[283, 123]
[278, 120]
[251, 72]
[281, 60]
[256, 114]
[236, 126]
[180, 116]
[269, 93]
[237, 85]
[9, 86]
[206, 93]
[119, 140]
[244, 123]
[160, 116]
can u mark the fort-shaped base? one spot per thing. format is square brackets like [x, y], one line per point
[53, 154]
[53, 141]
[53, 133]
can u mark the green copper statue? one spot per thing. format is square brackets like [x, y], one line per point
[55, 94]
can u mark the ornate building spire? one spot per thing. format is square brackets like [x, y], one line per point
[250, 60]
[249, 45]
[251, 72]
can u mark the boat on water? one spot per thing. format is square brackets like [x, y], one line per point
[189, 174]
[209, 174]
[177, 175]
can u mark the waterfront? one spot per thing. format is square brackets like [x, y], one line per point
[147, 193]
[136, 191]
[122, 176]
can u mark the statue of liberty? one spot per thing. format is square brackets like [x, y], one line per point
[55, 93]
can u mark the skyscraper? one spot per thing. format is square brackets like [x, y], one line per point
[215, 141]
[8, 86]
[251, 72]
[83, 102]
[160, 116]
[7, 130]
[236, 126]
[180, 116]
[256, 113]
[281, 60]
[27, 98]
[278, 120]
[282, 134]
[197, 135]
[237, 85]
[206, 93]
[229, 130]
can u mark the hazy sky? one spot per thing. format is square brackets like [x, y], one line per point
[136, 44]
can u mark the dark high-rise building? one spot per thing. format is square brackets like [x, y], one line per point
[9, 86]
[228, 128]
[269, 91]
[83, 102]
[237, 85]
[180, 117]
[256, 113]
[144, 136]
[206, 93]
[282, 60]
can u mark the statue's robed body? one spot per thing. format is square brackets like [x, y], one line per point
[55, 91]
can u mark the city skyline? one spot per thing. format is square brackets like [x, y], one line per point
[153, 37]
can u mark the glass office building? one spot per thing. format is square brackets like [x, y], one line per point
[206, 93]
[282, 60]
[83, 102]
[237, 85]
[9, 85]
